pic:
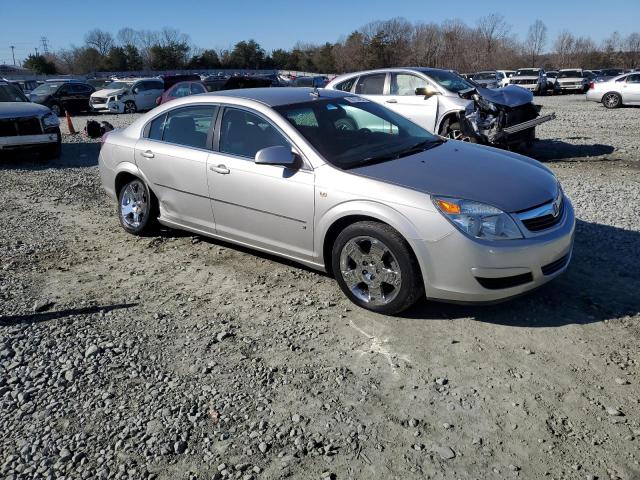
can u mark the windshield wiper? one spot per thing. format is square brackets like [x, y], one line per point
[413, 149]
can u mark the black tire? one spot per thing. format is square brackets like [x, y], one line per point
[130, 107]
[57, 109]
[611, 100]
[411, 286]
[148, 214]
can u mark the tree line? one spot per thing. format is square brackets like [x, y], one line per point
[452, 44]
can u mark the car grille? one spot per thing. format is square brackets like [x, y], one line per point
[504, 282]
[98, 100]
[11, 127]
[553, 267]
[543, 222]
[523, 82]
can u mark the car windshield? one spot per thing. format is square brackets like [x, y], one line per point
[449, 80]
[11, 93]
[352, 131]
[570, 74]
[118, 85]
[484, 76]
[526, 73]
[552, 74]
[46, 88]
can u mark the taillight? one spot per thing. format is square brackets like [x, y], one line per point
[592, 85]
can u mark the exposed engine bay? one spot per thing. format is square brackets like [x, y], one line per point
[502, 117]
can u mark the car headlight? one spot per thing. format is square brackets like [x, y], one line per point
[50, 120]
[478, 219]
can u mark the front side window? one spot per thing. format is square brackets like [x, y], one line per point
[11, 93]
[243, 133]
[371, 84]
[406, 84]
[350, 132]
[187, 126]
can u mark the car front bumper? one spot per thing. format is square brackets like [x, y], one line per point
[26, 141]
[561, 86]
[452, 265]
[112, 106]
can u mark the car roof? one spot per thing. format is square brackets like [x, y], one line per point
[276, 96]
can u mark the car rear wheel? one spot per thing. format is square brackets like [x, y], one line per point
[137, 208]
[612, 100]
[376, 268]
[130, 107]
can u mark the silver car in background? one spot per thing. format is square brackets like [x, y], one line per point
[533, 79]
[446, 104]
[344, 185]
[491, 79]
[616, 92]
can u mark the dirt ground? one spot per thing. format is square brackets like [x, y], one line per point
[177, 356]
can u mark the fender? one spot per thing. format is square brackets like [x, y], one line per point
[373, 209]
[455, 111]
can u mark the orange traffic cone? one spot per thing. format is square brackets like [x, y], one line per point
[72, 130]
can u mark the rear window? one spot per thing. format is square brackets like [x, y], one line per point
[371, 84]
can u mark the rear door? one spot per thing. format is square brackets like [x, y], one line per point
[631, 89]
[372, 86]
[402, 99]
[172, 155]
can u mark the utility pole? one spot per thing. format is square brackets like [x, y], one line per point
[45, 45]
[36, 51]
[13, 54]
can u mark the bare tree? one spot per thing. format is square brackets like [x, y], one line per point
[632, 47]
[536, 41]
[127, 36]
[426, 45]
[492, 29]
[100, 40]
[564, 49]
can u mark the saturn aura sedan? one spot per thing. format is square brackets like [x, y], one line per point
[342, 184]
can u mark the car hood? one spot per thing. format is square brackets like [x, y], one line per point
[21, 109]
[108, 92]
[457, 169]
[509, 96]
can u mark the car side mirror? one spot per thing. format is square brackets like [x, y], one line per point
[426, 92]
[276, 155]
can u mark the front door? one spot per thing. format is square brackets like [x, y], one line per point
[173, 157]
[631, 89]
[267, 206]
[402, 99]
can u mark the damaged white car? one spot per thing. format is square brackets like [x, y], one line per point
[446, 104]
[128, 95]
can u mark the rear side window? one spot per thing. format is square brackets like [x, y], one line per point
[347, 85]
[189, 126]
[371, 84]
[157, 128]
[633, 79]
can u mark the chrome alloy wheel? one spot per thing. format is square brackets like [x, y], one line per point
[134, 204]
[370, 270]
[611, 100]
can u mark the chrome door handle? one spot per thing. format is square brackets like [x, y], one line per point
[147, 153]
[219, 169]
[392, 100]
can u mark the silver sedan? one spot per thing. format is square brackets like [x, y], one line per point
[615, 92]
[344, 185]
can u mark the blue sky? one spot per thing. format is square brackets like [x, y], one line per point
[280, 23]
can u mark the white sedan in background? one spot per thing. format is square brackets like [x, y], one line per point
[618, 91]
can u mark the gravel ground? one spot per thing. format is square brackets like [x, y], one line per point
[177, 357]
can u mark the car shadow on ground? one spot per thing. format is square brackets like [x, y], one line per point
[602, 282]
[74, 155]
[550, 150]
[34, 317]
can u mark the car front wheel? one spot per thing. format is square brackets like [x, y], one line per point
[130, 107]
[137, 208]
[376, 268]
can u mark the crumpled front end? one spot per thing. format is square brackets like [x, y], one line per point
[502, 119]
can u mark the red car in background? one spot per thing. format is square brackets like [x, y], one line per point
[181, 89]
